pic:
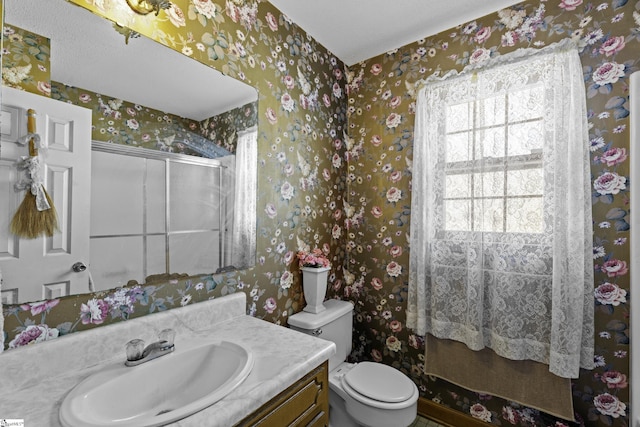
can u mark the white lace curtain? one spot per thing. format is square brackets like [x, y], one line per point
[501, 230]
[244, 220]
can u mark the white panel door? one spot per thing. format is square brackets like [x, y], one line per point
[42, 268]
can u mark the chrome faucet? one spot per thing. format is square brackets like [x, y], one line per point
[137, 353]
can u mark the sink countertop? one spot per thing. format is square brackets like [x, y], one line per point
[36, 379]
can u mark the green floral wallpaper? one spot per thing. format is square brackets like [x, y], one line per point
[25, 61]
[122, 122]
[381, 119]
[335, 172]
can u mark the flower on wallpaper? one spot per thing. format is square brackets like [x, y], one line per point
[286, 280]
[393, 120]
[205, 7]
[185, 300]
[271, 116]
[272, 21]
[608, 73]
[376, 211]
[132, 124]
[12, 76]
[34, 334]
[287, 102]
[479, 55]
[336, 89]
[393, 344]
[303, 165]
[608, 404]
[612, 45]
[512, 18]
[287, 191]
[122, 300]
[613, 156]
[40, 306]
[614, 379]
[394, 269]
[609, 183]
[309, 102]
[570, 5]
[288, 257]
[614, 268]
[395, 251]
[94, 311]
[394, 195]
[510, 414]
[482, 35]
[596, 143]
[481, 412]
[305, 86]
[44, 88]
[271, 210]
[336, 160]
[245, 14]
[270, 305]
[176, 16]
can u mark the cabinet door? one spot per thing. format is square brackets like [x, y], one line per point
[305, 403]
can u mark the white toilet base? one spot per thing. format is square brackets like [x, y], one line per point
[338, 416]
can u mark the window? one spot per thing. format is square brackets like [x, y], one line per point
[493, 165]
[501, 232]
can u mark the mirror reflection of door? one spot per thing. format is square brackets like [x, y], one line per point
[43, 266]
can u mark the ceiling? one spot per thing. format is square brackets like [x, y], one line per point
[355, 30]
[85, 49]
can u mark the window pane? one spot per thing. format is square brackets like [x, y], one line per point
[524, 182]
[457, 215]
[488, 184]
[458, 185]
[458, 117]
[525, 138]
[491, 143]
[488, 215]
[458, 147]
[524, 215]
[526, 104]
[490, 111]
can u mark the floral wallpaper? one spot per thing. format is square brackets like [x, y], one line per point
[381, 118]
[335, 164]
[122, 122]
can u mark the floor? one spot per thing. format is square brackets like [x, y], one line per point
[423, 422]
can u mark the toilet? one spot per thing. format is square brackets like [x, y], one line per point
[360, 394]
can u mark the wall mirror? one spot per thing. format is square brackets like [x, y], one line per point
[155, 210]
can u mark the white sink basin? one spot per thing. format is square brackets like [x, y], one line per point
[160, 391]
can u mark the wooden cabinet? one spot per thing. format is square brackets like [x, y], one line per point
[305, 403]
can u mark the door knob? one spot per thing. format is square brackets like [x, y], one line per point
[78, 267]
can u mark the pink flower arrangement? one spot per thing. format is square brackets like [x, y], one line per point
[315, 258]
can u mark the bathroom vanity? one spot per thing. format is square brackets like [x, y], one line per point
[305, 403]
[287, 385]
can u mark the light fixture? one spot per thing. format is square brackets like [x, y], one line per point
[144, 7]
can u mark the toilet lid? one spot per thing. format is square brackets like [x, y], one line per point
[380, 382]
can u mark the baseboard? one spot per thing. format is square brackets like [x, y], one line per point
[446, 416]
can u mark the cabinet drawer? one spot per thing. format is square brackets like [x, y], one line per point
[305, 403]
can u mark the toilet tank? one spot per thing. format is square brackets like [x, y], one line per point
[334, 324]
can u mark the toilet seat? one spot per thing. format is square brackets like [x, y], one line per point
[380, 386]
